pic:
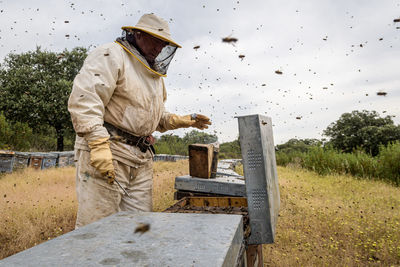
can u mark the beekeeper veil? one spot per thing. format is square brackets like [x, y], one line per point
[157, 27]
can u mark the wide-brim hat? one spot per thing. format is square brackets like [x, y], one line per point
[155, 26]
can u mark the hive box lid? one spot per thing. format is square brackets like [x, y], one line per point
[174, 239]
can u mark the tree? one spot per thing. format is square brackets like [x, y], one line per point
[170, 144]
[362, 129]
[298, 145]
[175, 145]
[197, 137]
[35, 86]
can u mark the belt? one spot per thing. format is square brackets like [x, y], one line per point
[130, 139]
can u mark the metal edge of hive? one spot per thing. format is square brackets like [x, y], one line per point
[253, 144]
[209, 186]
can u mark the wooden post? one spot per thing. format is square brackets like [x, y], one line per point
[254, 256]
[200, 160]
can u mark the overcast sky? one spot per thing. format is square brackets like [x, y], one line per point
[334, 55]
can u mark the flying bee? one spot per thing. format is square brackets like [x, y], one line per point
[142, 228]
[241, 57]
[196, 47]
[396, 20]
[298, 118]
[229, 40]
[278, 72]
[381, 93]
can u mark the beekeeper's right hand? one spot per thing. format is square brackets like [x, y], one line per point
[198, 121]
[101, 158]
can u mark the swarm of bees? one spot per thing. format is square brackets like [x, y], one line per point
[142, 228]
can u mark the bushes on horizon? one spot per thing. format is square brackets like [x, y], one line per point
[230, 150]
[175, 145]
[14, 136]
[388, 161]
[327, 160]
[19, 136]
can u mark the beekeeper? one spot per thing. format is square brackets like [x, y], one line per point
[116, 103]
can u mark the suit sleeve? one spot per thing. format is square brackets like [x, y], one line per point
[92, 89]
[164, 124]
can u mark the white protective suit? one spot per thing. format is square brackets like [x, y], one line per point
[115, 85]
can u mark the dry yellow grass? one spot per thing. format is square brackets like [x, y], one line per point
[335, 221]
[40, 205]
[324, 221]
[164, 180]
[35, 206]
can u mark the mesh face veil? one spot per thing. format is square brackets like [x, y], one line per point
[162, 60]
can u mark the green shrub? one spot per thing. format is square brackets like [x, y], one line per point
[5, 133]
[230, 150]
[283, 158]
[389, 163]
[19, 136]
[360, 164]
[14, 136]
[326, 160]
[323, 161]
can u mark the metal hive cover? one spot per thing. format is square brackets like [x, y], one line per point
[259, 166]
[224, 185]
[174, 239]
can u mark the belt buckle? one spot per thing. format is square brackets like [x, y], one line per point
[142, 140]
[147, 143]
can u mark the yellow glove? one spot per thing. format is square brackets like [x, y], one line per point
[193, 120]
[101, 158]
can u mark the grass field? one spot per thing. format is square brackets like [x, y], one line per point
[323, 220]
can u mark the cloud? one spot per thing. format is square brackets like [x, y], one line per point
[272, 35]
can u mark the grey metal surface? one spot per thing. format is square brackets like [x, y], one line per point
[62, 160]
[225, 185]
[259, 166]
[174, 239]
[71, 159]
[49, 160]
[228, 163]
[63, 157]
[21, 160]
[165, 157]
[7, 161]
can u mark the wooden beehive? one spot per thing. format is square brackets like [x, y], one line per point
[200, 160]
